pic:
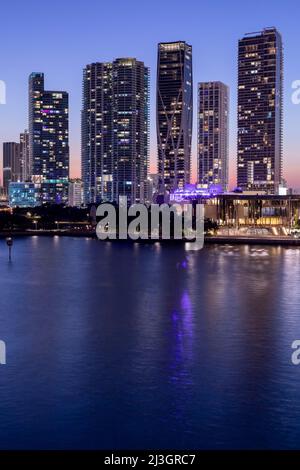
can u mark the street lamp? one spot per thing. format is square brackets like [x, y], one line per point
[9, 242]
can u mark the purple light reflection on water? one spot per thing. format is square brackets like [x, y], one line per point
[182, 264]
[186, 302]
[182, 325]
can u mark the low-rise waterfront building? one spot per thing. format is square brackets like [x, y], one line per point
[24, 194]
[245, 210]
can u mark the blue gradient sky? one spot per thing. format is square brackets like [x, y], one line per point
[59, 38]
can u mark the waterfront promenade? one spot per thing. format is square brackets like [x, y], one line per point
[217, 239]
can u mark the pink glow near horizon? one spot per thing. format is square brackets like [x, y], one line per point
[291, 171]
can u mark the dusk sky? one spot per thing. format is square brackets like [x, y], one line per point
[63, 37]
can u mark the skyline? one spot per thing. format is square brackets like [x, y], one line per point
[62, 57]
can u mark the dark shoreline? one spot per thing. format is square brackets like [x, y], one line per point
[221, 240]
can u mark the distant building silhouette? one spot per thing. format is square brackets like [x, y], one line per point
[11, 164]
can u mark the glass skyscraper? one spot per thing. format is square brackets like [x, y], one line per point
[174, 114]
[131, 129]
[115, 130]
[97, 133]
[48, 140]
[213, 106]
[260, 105]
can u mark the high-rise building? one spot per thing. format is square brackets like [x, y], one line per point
[11, 164]
[131, 128]
[24, 156]
[35, 103]
[174, 113]
[97, 133]
[48, 139]
[260, 106]
[213, 106]
[115, 131]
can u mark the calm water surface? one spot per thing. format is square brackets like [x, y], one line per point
[138, 346]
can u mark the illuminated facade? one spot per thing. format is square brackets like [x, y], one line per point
[49, 140]
[24, 194]
[75, 193]
[24, 156]
[97, 133]
[213, 105]
[174, 114]
[115, 131]
[260, 104]
[152, 187]
[238, 210]
[131, 129]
